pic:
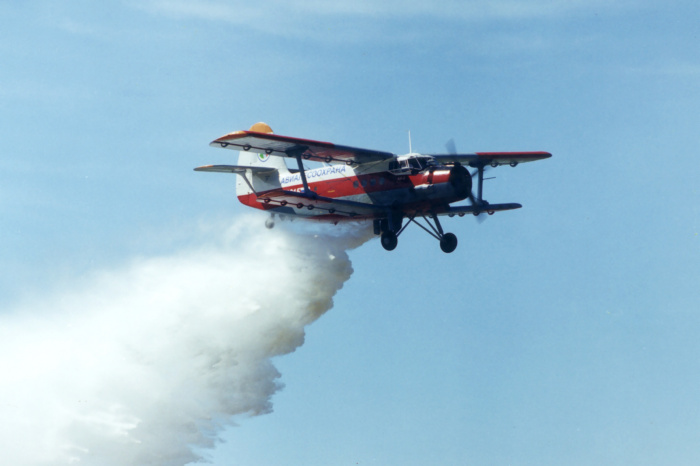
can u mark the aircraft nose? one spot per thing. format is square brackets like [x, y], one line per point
[461, 180]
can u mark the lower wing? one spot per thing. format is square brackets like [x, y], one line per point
[331, 206]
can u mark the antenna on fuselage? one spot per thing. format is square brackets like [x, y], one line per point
[410, 149]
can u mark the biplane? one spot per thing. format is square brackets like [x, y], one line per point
[354, 184]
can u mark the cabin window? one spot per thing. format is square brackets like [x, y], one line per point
[381, 181]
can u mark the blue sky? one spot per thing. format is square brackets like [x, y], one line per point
[564, 332]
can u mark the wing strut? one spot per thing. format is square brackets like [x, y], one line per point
[480, 190]
[296, 152]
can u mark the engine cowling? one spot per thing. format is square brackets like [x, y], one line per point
[461, 181]
[449, 185]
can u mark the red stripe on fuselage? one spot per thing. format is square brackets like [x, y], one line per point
[371, 183]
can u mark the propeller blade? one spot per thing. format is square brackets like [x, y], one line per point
[451, 147]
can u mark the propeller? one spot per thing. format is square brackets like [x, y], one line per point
[461, 180]
[458, 167]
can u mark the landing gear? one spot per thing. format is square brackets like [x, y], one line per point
[270, 222]
[448, 242]
[389, 240]
[390, 229]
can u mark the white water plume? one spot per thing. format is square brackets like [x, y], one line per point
[143, 365]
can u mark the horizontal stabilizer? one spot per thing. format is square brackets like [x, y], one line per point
[238, 169]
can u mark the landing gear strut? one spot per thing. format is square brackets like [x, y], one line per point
[448, 241]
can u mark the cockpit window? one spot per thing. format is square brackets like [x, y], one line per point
[410, 165]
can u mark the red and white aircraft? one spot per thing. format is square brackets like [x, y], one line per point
[359, 184]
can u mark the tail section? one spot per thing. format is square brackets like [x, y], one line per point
[260, 181]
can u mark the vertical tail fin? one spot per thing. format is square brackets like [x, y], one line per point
[252, 159]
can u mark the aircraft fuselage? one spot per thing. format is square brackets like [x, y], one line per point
[418, 188]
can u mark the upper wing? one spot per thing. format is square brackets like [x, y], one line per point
[286, 146]
[492, 158]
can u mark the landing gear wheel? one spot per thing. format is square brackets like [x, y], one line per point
[389, 240]
[448, 243]
[269, 223]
